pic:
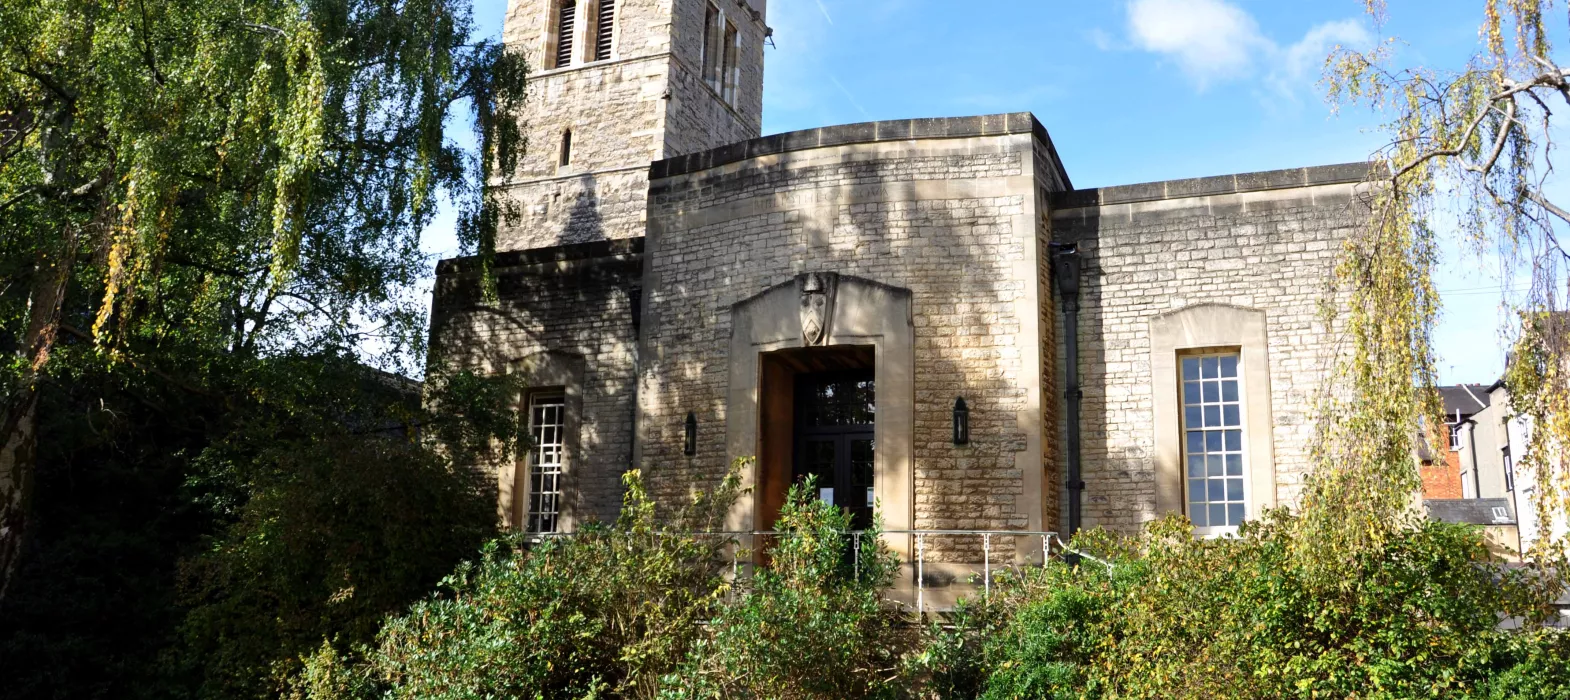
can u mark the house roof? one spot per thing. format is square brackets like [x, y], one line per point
[1464, 398]
[1474, 511]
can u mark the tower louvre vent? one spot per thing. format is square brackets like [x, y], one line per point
[564, 31]
[604, 23]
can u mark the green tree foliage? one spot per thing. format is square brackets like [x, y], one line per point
[1175, 616]
[211, 217]
[604, 612]
[333, 517]
[814, 623]
[1474, 144]
[184, 181]
[171, 563]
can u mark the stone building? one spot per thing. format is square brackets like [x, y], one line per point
[679, 291]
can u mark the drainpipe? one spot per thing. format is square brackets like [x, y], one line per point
[1066, 260]
[1471, 443]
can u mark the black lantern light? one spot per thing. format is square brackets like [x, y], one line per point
[961, 422]
[690, 445]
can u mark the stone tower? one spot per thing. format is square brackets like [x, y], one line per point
[614, 86]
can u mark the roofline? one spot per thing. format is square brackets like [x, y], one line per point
[863, 132]
[1338, 174]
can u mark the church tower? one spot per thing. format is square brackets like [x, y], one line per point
[615, 85]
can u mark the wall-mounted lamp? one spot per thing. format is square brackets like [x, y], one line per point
[961, 422]
[690, 445]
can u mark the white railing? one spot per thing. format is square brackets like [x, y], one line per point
[1051, 545]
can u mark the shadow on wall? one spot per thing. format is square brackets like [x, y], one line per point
[955, 255]
[576, 300]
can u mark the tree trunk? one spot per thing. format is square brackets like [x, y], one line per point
[16, 479]
[19, 439]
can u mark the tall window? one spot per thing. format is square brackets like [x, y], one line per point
[566, 149]
[604, 23]
[1213, 442]
[548, 427]
[566, 23]
[1455, 437]
[711, 47]
[729, 70]
[1509, 470]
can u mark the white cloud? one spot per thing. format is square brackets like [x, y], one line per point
[1300, 60]
[1215, 41]
[1210, 39]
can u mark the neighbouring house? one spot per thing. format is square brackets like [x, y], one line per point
[1494, 439]
[912, 311]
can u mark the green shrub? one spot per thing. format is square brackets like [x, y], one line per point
[607, 611]
[814, 623]
[1180, 617]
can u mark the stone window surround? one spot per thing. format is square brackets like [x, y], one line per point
[584, 34]
[1211, 328]
[864, 313]
[554, 372]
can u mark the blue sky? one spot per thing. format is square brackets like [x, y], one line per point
[1131, 91]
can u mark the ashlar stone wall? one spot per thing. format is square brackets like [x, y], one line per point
[641, 105]
[1265, 241]
[947, 209]
[578, 303]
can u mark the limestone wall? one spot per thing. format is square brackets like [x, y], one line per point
[944, 208]
[698, 119]
[643, 104]
[1266, 241]
[578, 303]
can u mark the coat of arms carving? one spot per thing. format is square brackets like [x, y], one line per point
[817, 304]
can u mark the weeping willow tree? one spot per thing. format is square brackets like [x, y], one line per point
[1474, 146]
[182, 182]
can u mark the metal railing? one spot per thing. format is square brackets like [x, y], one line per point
[919, 543]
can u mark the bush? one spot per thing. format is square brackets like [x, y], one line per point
[607, 611]
[1179, 617]
[813, 624]
[636, 611]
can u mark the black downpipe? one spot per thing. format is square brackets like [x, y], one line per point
[1066, 262]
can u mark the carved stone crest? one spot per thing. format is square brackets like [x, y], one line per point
[817, 306]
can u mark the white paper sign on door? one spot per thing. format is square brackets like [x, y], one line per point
[826, 495]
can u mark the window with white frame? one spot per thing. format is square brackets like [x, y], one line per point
[1455, 436]
[547, 428]
[1216, 483]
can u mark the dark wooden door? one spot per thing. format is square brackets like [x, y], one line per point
[835, 415]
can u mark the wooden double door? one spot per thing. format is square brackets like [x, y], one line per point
[835, 415]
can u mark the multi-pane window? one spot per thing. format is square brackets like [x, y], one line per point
[1213, 441]
[547, 428]
[566, 24]
[1455, 436]
[604, 23]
